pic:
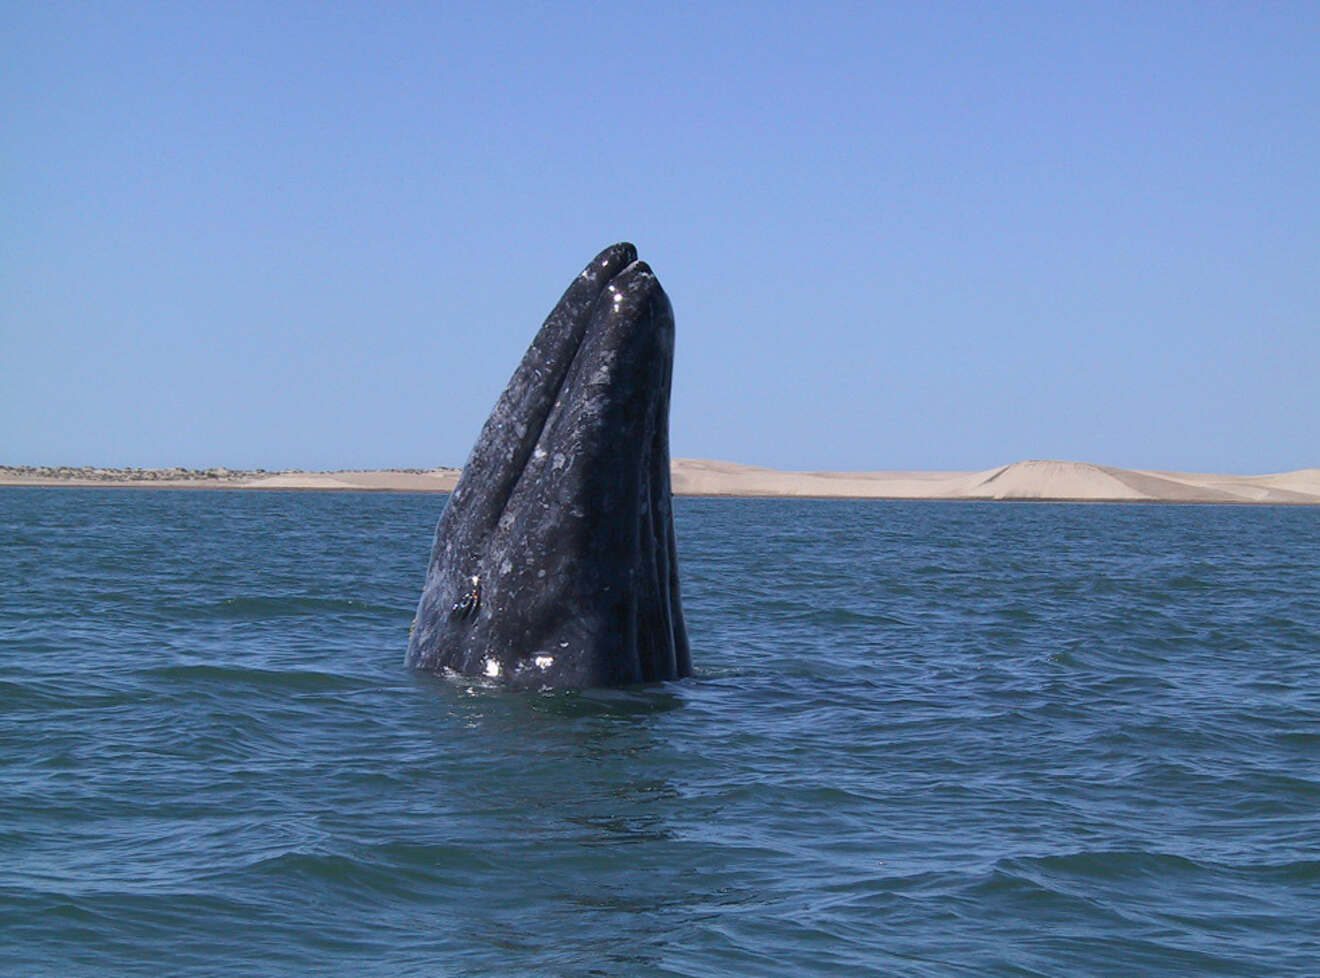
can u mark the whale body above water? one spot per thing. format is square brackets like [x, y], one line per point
[554, 561]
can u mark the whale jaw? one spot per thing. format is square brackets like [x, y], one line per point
[554, 562]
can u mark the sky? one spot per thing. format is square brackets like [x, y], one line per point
[895, 235]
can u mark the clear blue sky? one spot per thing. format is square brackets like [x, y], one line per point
[899, 235]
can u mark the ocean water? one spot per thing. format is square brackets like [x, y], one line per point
[926, 739]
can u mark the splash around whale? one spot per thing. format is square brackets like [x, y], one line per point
[554, 562]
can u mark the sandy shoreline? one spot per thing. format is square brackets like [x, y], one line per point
[1033, 480]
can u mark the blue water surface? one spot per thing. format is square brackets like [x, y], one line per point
[926, 739]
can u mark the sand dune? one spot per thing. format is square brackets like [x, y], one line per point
[1035, 480]
[1032, 480]
[436, 480]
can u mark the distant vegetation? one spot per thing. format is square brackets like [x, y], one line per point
[90, 473]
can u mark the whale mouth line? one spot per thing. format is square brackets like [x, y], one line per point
[593, 323]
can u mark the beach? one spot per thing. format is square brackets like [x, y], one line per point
[1037, 480]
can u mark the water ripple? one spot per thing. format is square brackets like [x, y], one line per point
[924, 740]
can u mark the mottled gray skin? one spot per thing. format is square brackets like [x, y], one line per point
[563, 510]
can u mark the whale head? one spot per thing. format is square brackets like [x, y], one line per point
[554, 561]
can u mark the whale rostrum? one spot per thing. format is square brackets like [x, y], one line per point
[554, 562]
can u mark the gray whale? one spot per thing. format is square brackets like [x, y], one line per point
[554, 561]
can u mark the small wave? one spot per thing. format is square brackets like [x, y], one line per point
[62, 694]
[394, 869]
[566, 703]
[849, 616]
[256, 607]
[1297, 871]
[294, 680]
[631, 702]
[1107, 864]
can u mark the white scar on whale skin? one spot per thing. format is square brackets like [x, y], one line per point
[544, 661]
